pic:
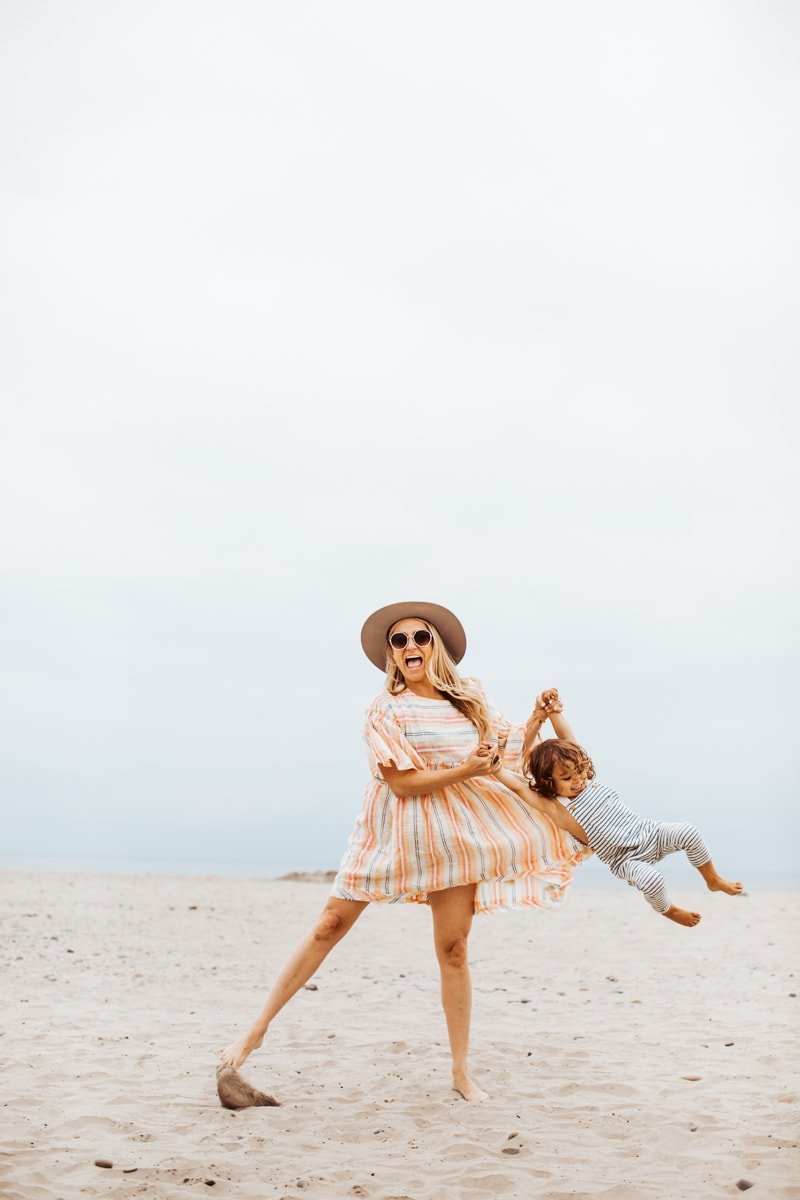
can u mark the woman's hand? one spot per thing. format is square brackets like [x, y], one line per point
[483, 760]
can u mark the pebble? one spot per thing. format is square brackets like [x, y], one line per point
[692, 1078]
[729, 1043]
[744, 1185]
[510, 1150]
[103, 1162]
[310, 987]
[692, 1127]
[210, 1182]
[511, 1135]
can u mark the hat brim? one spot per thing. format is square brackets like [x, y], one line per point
[375, 631]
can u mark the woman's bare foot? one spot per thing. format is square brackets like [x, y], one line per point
[466, 1088]
[682, 916]
[240, 1051]
[718, 884]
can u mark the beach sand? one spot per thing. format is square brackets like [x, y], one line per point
[626, 1057]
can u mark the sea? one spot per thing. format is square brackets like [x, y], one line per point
[592, 875]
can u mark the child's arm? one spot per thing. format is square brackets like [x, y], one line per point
[557, 813]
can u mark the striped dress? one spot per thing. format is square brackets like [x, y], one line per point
[475, 831]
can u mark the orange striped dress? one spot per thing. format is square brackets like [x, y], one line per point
[475, 831]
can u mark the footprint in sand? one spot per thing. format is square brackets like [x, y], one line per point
[235, 1092]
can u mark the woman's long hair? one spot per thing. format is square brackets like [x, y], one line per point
[442, 673]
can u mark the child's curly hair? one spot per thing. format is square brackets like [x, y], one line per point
[555, 752]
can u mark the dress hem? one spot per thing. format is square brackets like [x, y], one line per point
[551, 887]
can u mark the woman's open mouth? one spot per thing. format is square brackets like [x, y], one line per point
[413, 660]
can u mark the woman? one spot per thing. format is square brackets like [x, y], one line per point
[436, 826]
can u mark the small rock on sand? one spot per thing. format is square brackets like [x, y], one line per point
[692, 1078]
[744, 1185]
[308, 877]
[103, 1162]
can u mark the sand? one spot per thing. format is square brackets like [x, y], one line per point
[626, 1057]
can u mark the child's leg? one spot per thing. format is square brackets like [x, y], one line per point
[672, 837]
[667, 838]
[650, 883]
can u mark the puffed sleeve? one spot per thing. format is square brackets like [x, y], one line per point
[386, 742]
[509, 740]
[509, 737]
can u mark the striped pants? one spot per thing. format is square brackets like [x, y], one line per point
[663, 839]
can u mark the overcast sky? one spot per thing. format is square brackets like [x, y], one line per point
[312, 307]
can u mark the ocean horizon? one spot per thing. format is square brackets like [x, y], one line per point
[591, 875]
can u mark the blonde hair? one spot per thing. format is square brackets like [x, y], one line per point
[462, 693]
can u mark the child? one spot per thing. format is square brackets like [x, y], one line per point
[624, 841]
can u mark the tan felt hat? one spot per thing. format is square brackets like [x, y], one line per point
[375, 632]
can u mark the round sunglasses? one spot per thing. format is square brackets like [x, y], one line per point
[422, 637]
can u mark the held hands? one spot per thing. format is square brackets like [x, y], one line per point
[548, 703]
[484, 760]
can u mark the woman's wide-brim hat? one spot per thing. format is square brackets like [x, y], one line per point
[375, 632]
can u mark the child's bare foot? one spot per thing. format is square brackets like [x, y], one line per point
[718, 884]
[682, 916]
[466, 1088]
[236, 1054]
[715, 883]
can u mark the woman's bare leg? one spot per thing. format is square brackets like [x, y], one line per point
[452, 911]
[337, 918]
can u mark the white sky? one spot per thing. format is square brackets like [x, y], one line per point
[308, 308]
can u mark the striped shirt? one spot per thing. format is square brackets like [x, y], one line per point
[611, 827]
[472, 831]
